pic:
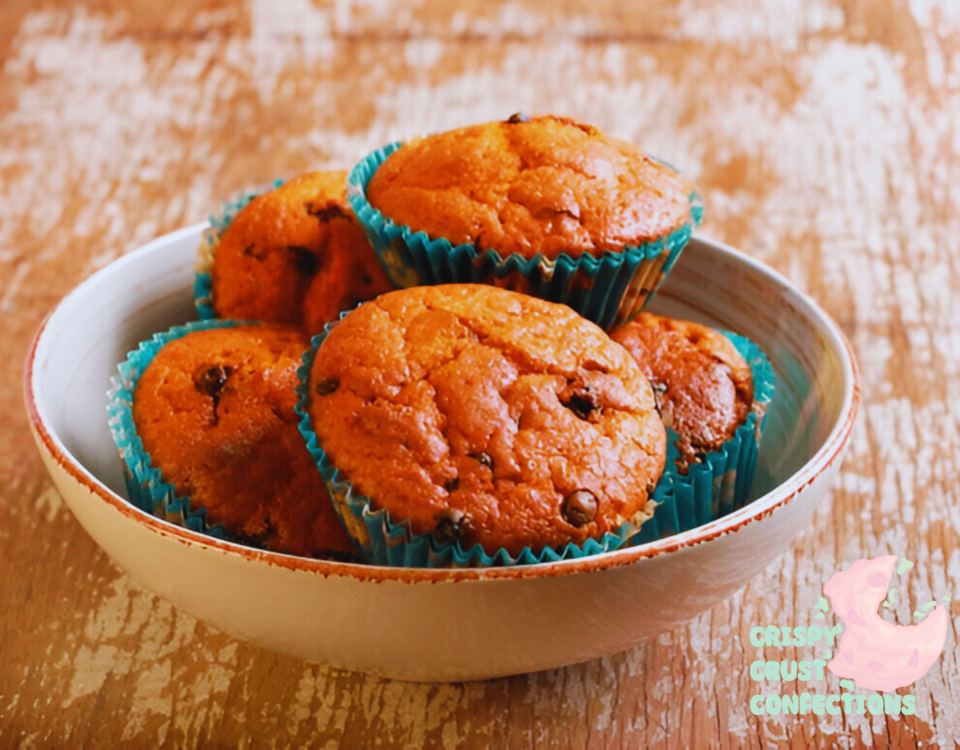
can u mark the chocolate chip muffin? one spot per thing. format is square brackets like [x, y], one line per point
[543, 185]
[483, 416]
[703, 387]
[295, 255]
[215, 412]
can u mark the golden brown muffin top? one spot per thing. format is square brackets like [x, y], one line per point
[486, 416]
[548, 185]
[296, 254]
[704, 388]
[215, 412]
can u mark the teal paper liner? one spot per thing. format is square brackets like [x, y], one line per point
[145, 485]
[609, 289]
[382, 541]
[203, 280]
[721, 483]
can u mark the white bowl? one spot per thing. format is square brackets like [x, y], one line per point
[447, 625]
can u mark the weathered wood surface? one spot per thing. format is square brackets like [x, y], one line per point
[825, 137]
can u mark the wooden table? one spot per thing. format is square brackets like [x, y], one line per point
[824, 136]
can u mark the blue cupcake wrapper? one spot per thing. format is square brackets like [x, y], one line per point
[721, 482]
[382, 541]
[203, 279]
[146, 487]
[609, 289]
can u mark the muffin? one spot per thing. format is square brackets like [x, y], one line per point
[541, 187]
[545, 205]
[483, 418]
[702, 384]
[214, 410]
[295, 255]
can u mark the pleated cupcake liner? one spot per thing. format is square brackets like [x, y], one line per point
[722, 482]
[384, 541]
[609, 289]
[203, 266]
[146, 487]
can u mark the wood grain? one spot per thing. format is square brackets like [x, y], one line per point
[824, 135]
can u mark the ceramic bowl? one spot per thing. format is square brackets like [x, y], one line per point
[433, 625]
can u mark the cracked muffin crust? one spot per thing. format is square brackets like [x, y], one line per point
[296, 255]
[542, 185]
[703, 387]
[487, 417]
[215, 412]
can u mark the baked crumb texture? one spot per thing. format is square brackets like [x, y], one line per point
[712, 389]
[484, 417]
[544, 186]
[214, 410]
[294, 255]
[702, 385]
[543, 206]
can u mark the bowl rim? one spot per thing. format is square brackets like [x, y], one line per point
[780, 495]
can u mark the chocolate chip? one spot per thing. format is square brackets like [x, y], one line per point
[518, 117]
[579, 508]
[303, 260]
[452, 485]
[326, 387]
[452, 526]
[327, 213]
[485, 460]
[582, 401]
[211, 380]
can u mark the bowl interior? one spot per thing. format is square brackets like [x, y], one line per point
[151, 289]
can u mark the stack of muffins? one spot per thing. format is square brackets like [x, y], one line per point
[481, 387]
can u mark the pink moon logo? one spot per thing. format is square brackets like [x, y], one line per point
[877, 654]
